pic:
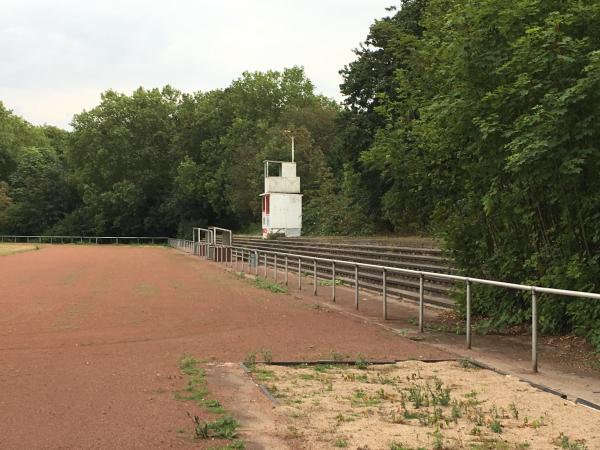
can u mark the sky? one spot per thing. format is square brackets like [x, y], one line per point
[58, 56]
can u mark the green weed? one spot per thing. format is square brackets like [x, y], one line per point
[329, 282]
[514, 411]
[263, 374]
[496, 426]
[438, 440]
[340, 443]
[250, 359]
[361, 363]
[269, 285]
[563, 441]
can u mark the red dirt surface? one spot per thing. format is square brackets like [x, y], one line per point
[91, 336]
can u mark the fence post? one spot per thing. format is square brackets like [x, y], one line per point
[315, 277]
[333, 281]
[534, 323]
[275, 266]
[299, 273]
[421, 289]
[384, 293]
[356, 286]
[286, 270]
[256, 261]
[468, 305]
[266, 263]
[242, 260]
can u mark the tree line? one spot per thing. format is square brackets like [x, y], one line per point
[475, 121]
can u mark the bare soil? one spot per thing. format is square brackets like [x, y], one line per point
[424, 405]
[91, 336]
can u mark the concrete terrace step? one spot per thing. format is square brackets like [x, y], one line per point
[436, 291]
[373, 252]
[357, 245]
[373, 256]
[370, 280]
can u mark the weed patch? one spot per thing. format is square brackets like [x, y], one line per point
[268, 285]
[440, 406]
[196, 390]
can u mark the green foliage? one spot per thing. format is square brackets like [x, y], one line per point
[563, 441]
[269, 285]
[479, 125]
[158, 162]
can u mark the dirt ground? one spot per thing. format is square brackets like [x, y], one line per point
[413, 404]
[91, 338]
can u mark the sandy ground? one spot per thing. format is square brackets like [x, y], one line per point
[424, 405]
[91, 337]
[10, 249]
[572, 369]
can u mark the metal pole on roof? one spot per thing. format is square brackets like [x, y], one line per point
[291, 133]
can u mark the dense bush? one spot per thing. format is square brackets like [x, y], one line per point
[490, 139]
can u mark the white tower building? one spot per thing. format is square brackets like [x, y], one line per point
[281, 201]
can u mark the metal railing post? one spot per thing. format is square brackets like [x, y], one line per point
[256, 262]
[275, 266]
[299, 273]
[286, 270]
[384, 293]
[242, 260]
[356, 286]
[266, 275]
[468, 306]
[333, 281]
[534, 324]
[421, 289]
[315, 277]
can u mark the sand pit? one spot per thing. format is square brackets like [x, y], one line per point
[411, 405]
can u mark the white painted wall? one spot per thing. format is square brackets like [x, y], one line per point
[285, 213]
[282, 184]
[285, 202]
[288, 169]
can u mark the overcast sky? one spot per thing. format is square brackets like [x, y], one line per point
[57, 56]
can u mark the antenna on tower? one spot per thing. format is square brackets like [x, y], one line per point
[291, 133]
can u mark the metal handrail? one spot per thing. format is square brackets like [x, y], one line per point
[235, 251]
[523, 287]
[422, 275]
[223, 232]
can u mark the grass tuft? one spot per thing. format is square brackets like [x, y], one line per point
[268, 285]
